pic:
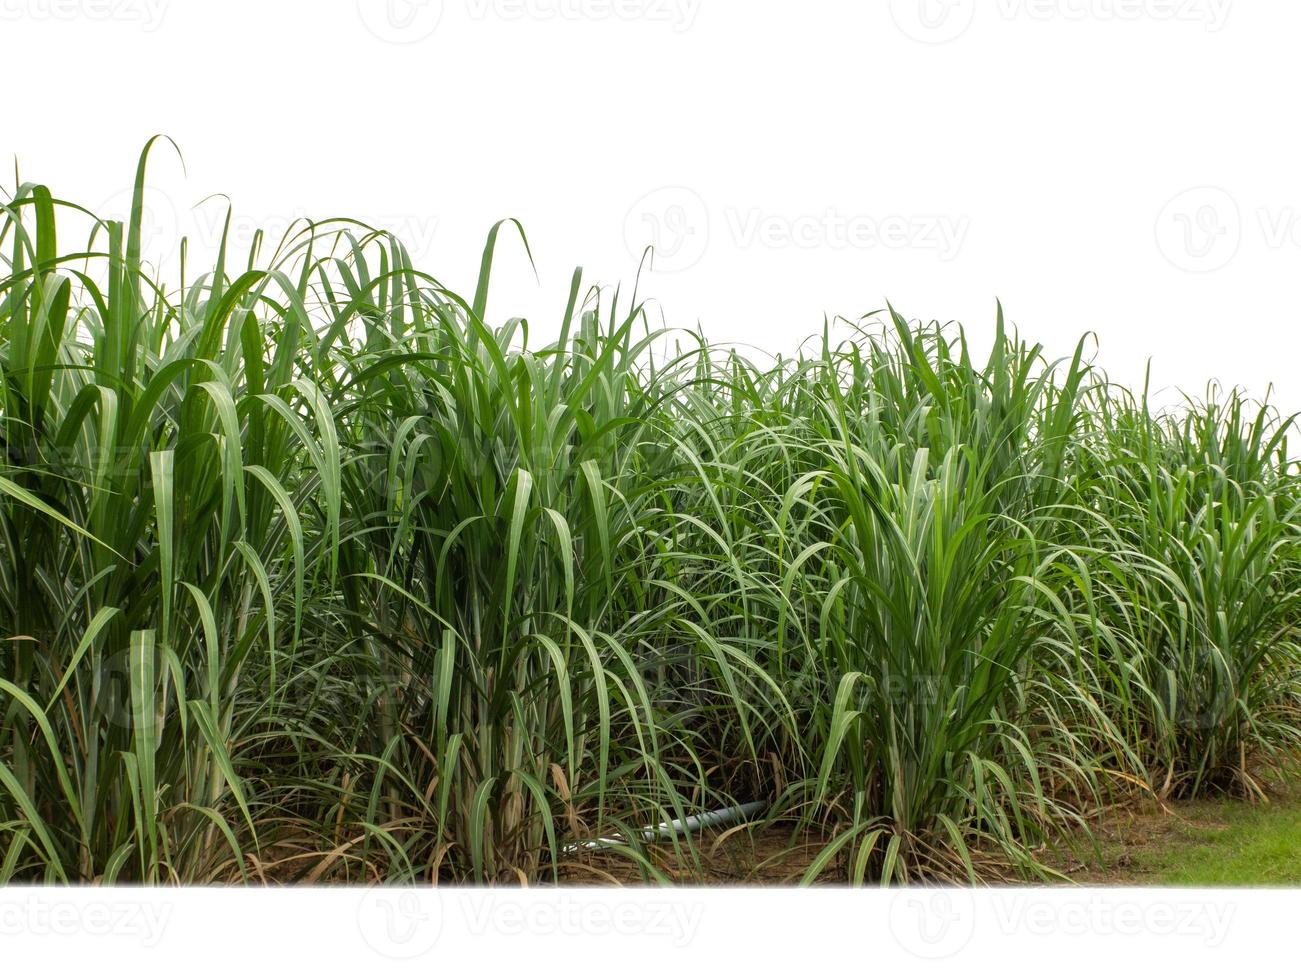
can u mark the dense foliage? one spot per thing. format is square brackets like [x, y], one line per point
[308, 573]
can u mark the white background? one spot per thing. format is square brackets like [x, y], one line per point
[1062, 933]
[1127, 167]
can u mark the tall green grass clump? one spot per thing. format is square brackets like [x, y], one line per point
[308, 572]
[1193, 599]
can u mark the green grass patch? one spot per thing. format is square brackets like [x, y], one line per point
[1229, 842]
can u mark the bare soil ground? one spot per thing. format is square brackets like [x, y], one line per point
[1218, 841]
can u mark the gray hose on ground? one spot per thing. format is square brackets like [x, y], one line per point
[674, 828]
